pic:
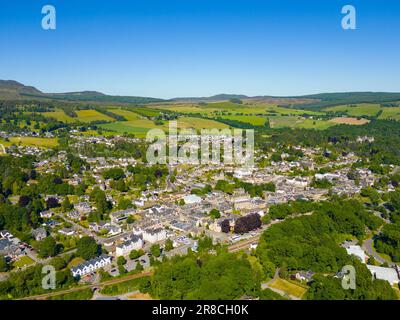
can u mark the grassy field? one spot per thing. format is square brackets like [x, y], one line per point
[31, 142]
[390, 113]
[59, 115]
[122, 288]
[142, 126]
[289, 287]
[362, 109]
[92, 115]
[253, 120]
[128, 115]
[298, 122]
[24, 261]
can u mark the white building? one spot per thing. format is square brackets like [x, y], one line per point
[135, 243]
[358, 252]
[90, 266]
[154, 235]
[381, 273]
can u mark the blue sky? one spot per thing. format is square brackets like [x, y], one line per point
[170, 48]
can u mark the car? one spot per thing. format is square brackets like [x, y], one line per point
[142, 261]
[114, 270]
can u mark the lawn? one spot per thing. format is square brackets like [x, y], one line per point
[24, 261]
[289, 287]
[92, 115]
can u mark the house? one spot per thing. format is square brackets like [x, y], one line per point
[304, 276]
[154, 235]
[119, 216]
[135, 243]
[75, 214]
[67, 231]
[90, 266]
[191, 199]
[46, 214]
[83, 207]
[39, 234]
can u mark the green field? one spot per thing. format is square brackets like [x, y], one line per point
[298, 122]
[23, 261]
[362, 109]
[128, 115]
[92, 115]
[31, 142]
[289, 287]
[253, 120]
[390, 113]
[59, 115]
[142, 126]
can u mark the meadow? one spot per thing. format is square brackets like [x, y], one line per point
[92, 115]
[31, 142]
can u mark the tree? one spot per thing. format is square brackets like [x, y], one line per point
[52, 203]
[139, 266]
[155, 250]
[169, 245]
[134, 254]
[58, 263]
[47, 247]
[66, 205]
[3, 264]
[87, 248]
[215, 214]
[121, 261]
[24, 200]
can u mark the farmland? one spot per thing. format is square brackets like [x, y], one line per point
[31, 142]
[92, 115]
[359, 110]
[351, 121]
[128, 115]
[59, 115]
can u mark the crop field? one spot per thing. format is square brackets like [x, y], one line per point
[92, 115]
[253, 120]
[59, 115]
[390, 113]
[298, 122]
[128, 115]
[140, 127]
[351, 121]
[31, 142]
[363, 109]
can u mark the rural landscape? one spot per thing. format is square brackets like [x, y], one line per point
[79, 195]
[199, 158]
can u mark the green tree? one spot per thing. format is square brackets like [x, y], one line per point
[155, 250]
[47, 247]
[169, 245]
[87, 248]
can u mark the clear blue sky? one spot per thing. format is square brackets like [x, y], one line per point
[170, 48]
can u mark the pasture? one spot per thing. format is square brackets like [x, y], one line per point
[92, 115]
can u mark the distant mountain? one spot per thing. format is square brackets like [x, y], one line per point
[216, 98]
[11, 90]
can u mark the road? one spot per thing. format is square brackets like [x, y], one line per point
[91, 286]
[368, 247]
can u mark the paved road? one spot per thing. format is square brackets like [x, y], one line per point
[368, 247]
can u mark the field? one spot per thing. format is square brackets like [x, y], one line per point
[390, 113]
[128, 115]
[298, 122]
[31, 142]
[142, 126]
[23, 261]
[351, 121]
[59, 115]
[253, 120]
[288, 287]
[92, 115]
[363, 109]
